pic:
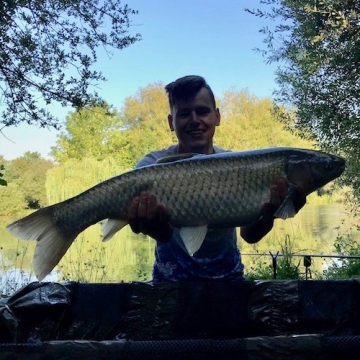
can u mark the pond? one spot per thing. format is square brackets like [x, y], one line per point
[129, 257]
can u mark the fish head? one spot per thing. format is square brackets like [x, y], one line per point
[313, 169]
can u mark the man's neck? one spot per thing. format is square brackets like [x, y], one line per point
[206, 150]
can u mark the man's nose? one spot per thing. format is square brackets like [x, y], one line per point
[194, 117]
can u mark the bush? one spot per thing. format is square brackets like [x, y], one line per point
[345, 267]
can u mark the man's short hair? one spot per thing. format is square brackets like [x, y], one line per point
[186, 87]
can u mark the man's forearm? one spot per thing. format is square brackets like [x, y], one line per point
[255, 232]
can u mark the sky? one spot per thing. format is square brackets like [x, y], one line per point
[211, 38]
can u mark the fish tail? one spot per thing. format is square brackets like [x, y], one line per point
[51, 245]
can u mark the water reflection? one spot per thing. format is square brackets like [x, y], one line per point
[14, 279]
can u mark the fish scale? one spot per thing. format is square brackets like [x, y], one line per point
[195, 198]
[199, 192]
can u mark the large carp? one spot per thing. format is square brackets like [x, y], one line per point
[198, 192]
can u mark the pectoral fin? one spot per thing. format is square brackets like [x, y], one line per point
[110, 227]
[287, 209]
[193, 237]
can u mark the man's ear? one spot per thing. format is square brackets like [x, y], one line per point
[170, 122]
[218, 116]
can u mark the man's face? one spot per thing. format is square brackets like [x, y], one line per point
[194, 122]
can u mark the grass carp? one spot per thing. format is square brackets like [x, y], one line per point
[198, 192]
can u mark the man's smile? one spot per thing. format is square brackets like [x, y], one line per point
[196, 132]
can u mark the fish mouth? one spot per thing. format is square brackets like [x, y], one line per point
[341, 164]
[341, 168]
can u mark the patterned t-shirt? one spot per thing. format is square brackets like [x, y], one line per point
[217, 259]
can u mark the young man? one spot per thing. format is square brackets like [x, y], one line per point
[194, 118]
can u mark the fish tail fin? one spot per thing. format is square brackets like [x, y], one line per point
[51, 245]
[112, 226]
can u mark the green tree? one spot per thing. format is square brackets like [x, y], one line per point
[95, 131]
[28, 174]
[99, 131]
[74, 176]
[48, 49]
[11, 200]
[247, 123]
[145, 118]
[317, 44]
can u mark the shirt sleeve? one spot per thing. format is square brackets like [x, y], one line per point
[146, 160]
[152, 157]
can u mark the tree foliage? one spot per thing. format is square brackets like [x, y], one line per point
[28, 174]
[100, 132]
[247, 122]
[95, 131]
[317, 44]
[12, 200]
[145, 117]
[47, 50]
[75, 176]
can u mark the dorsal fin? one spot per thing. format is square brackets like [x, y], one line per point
[176, 157]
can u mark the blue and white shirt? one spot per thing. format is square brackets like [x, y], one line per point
[217, 259]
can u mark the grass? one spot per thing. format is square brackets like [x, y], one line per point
[281, 265]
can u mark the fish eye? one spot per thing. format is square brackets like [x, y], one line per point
[328, 166]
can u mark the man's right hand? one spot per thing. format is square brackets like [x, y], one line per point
[145, 215]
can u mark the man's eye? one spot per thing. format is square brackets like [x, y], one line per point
[202, 112]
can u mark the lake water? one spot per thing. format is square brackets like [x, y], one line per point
[129, 257]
